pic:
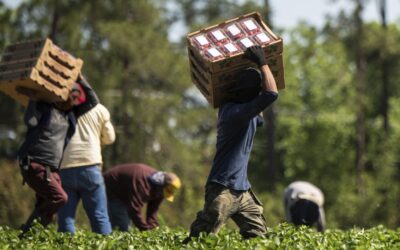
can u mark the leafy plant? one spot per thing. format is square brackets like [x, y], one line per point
[283, 236]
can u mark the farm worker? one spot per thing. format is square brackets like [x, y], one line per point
[228, 193]
[304, 205]
[80, 172]
[49, 128]
[130, 186]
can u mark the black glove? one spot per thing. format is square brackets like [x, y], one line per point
[256, 54]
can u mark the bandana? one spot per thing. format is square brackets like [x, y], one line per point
[78, 87]
[158, 178]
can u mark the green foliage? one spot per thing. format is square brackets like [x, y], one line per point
[283, 236]
[16, 200]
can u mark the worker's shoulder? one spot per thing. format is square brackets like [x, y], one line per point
[101, 111]
[101, 107]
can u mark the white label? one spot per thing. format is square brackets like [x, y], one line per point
[214, 52]
[247, 42]
[233, 29]
[250, 24]
[218, 35]
[263, 37]
[202, 40]
[230, 47]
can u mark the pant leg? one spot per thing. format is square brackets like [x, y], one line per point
[118, 213]
[217, 209]
[66, 214]
[50, 195]
[94, 199]
[249, 217]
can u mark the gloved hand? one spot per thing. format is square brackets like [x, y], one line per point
[256, 54]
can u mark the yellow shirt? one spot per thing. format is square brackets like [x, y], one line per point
[93, 129]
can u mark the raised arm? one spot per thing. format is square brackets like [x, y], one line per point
[91, 97]
[256, 54]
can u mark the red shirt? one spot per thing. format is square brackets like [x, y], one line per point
[130, 183]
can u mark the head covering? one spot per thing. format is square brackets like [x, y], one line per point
[172, 183]
[249, 78]
[78, 87]
[158, 178]
[247, 88]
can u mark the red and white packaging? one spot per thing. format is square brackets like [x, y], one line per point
[201, 41]
[231, 49]
[262, 38]
[245, 43]
[234, 31]
[213, 54]
[218, 36]
[250, 26]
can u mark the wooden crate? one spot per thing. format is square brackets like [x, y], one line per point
[40, 66]
[274, 49]
[213, 78]
[33, 80]
[215, 85]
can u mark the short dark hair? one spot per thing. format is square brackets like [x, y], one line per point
[304, 212]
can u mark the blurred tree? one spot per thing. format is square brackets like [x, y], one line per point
[385, 68]
[360, 61]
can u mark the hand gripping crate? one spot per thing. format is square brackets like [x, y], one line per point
[40, 68]
[213, 76]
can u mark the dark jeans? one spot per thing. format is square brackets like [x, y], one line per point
[118, 215]
[50, 196]
[222, 203]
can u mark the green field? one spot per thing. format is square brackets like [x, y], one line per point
[281, 237]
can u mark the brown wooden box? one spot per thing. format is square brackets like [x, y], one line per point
[33, 80]
[213, 78]
[40, 66]
[273, 49]
[213, 86]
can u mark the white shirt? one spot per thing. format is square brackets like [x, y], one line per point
[93, 129]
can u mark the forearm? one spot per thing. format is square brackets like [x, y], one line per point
[152, 210]
[107, 134]
[91, 98]
[268, 80]
[321, 224]
[137, 219]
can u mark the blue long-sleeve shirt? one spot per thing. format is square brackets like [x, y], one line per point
[237, 123]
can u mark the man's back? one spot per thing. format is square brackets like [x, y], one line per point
[237, 124]
[127, 180]
[93, 130]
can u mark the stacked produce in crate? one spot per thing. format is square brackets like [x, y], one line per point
[216, 54]
[40, 69]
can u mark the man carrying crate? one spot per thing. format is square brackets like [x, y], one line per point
[228, 192]
[49, 129]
